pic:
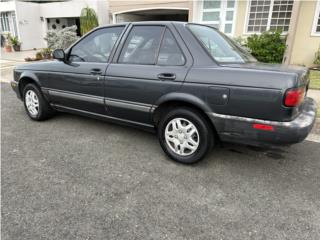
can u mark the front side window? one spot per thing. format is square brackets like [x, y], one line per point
[142, 45]
[271, 15]
[97, 46]
[170, 54]
[219, 46]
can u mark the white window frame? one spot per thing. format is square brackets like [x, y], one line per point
[224, 10]
[9, 19]
[269, 19]
[315, 21]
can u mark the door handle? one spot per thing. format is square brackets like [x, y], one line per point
[96, 71]
[167, 76]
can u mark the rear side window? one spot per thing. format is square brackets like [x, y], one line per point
[219, 46]
[142, 45]
[97, 46]
[170, 54]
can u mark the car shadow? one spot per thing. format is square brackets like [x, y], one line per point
[231, 151]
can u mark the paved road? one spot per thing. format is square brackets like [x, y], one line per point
[76, 178]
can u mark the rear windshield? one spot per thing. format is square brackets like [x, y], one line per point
[220, 47]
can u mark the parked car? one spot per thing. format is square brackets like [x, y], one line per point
[190, 83]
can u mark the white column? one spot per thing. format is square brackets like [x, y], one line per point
[292, 31]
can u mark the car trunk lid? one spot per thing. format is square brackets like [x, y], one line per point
[301, 72]
[297, 87]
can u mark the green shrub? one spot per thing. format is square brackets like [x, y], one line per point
[241, 41]
[88, 20]
[317, 57]
[61, 39]
[268, 47]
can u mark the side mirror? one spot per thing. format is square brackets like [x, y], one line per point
[59, 54]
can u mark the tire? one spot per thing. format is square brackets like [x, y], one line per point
[178, 144]
[36, 105]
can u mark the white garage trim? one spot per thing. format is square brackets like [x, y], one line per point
[144, 9]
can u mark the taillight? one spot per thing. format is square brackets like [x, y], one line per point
[294, 97]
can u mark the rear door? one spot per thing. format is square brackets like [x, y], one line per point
[150, 62]
[78, 83]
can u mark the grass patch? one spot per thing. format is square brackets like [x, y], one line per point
[315, 79]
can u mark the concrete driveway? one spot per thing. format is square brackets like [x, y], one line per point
[76, 178]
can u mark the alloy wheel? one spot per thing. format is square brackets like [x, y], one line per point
[32, 102]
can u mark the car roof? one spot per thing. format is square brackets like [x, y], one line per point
[144, 23]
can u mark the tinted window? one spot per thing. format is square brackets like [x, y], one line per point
[170, 54]
[97, 46]
[142, 45]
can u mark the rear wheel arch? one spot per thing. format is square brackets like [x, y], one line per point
[170, 104]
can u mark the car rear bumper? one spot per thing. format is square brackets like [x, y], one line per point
[240, 129]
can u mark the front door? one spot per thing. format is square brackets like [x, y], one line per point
[78, 83]
[149, 64]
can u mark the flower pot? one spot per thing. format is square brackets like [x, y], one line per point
[8, 48]
[17, 48]
[46, 55]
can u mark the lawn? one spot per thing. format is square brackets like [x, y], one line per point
[315, 79]
[315, 84]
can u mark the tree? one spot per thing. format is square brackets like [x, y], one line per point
[88, 20]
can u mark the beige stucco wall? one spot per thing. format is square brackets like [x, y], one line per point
[240, 18]
[116, 6]
[305, 45]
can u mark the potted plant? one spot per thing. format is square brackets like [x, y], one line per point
[16, 44]
[39, 56]
[46, 53]
[7, 45]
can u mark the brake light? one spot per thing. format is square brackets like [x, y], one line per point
[294, 97]
[263, 127]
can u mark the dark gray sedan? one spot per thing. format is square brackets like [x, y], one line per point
[190, 83]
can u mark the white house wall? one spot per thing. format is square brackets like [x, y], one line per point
[31, 17]
[73, 9]
[7, 6]
[103, 11]
[29, 25]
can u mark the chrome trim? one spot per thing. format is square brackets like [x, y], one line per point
[76, 96]
[126, 104]
[304, 119]
[101, 115]
[246, 119]
[101, 100]
[153, 108]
